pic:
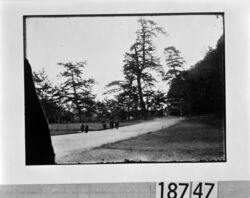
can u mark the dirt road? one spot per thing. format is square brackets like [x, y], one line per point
[65, 145]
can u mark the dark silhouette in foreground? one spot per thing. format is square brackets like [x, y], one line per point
[38, 145]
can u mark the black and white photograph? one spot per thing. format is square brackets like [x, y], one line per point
[124, 88]
[124, 99]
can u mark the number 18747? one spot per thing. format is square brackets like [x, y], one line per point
[186, 190]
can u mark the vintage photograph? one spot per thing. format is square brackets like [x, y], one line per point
[124, 88]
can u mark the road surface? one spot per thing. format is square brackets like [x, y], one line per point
[65, 145]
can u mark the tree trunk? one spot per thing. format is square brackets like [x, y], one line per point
[75, 99]
[142, 103]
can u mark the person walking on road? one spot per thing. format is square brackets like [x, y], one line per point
[116, 124]
[111, 124]
[82, 127]
[86, 128]
[104, 124]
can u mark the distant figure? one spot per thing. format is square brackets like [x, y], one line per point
[116, 124]
[86, 128]
[111, 124]
[104, 124]
[82, 127]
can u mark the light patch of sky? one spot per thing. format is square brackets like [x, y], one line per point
[103, 41]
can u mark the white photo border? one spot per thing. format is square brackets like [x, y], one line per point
[12, 149]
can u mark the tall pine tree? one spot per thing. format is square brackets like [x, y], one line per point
[141, 60]
[78, 90]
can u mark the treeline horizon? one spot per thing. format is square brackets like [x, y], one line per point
[196, 91]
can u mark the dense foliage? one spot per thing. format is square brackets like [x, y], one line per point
[201, 89]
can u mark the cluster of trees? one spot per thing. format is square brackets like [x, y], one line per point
[198, 90]
[72, 99]
[201, 89]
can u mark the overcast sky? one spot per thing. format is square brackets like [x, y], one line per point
[103, 41]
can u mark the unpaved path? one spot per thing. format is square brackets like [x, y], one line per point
[66, 145]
